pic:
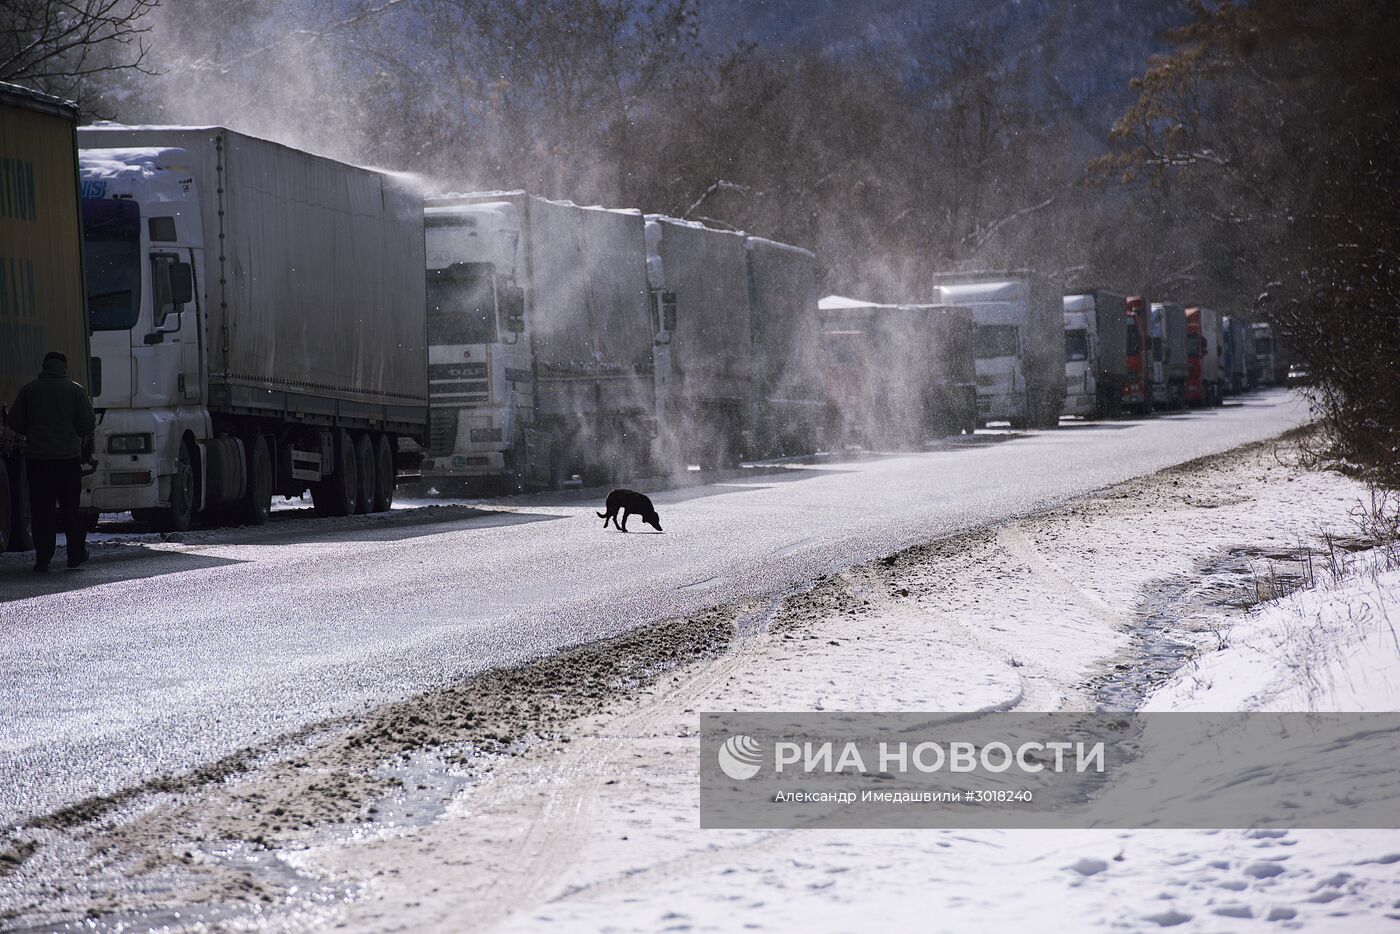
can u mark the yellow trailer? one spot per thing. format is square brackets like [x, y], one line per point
[43, 305]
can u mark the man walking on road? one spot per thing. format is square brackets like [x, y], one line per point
[55, 416]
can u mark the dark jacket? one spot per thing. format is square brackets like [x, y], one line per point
[54, 414]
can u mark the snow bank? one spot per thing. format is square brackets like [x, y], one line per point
[1331, 648]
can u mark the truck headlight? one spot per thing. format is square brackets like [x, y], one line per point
[486, 434]
[131, 444]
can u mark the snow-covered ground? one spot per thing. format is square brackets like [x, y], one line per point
[1080, 607]
[1331, 647]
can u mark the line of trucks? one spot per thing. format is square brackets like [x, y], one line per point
[255, 321]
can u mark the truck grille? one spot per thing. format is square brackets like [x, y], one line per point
[442, 431]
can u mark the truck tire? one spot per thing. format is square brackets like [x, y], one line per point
[335, 495]
[383, 475]
[256, 504]
[179, 515]
[364, 473]
[20, 537]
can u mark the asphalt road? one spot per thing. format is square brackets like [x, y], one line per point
[158, 657]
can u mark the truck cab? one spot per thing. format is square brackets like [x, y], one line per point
[1018, 343]
[1137, 391]
[1203, 357]
[479, 365]
[1081, 339]
[142, 242]
[1261, 345]
[847, 353]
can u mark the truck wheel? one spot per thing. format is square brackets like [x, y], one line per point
[335, 495]
[383, 475]
[17, 502]
[364, 473]
[178, 516]
[256, 504]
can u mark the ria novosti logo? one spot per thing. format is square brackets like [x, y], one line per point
[740, 758]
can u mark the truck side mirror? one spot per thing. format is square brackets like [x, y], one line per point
[512, 300]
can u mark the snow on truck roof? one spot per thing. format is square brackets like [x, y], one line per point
[842, 303]
[1084, 302]
[834, 302]
[751, 242]
[135, 162]
[983, 290]
[107, 127]
[470, 198]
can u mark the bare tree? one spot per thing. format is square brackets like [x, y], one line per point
[63, 46]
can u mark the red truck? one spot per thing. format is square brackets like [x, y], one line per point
[1137, 391]
[1203, 357]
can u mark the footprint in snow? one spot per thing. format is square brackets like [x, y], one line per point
[1263, 870]
[1088, 866]
[1169, 918]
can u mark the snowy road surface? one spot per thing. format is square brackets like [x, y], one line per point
[159, 657]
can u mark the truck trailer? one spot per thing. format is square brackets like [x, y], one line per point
[1203, 357]
[258, 326]
[1169, 361]
[542, 325]
[703, 361]
[42, 305]
[1096, 353]
[898, 375]
[789, 414]
[1019, 344]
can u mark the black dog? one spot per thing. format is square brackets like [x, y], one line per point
[628, 502]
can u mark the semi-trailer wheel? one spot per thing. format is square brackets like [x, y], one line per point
[256, 504]
[384, 476]
[364, 473]
[179, 515]
[335, 495]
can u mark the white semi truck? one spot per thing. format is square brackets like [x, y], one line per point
[1019, 343]
[258, 326]
[1096, 353]
[541, 331]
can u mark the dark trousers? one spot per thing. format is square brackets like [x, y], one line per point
[55, 483]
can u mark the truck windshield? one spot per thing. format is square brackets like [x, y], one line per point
[1134, 338]
[112, 262]
[996, 340]
[461, 305]
[1076, 346]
